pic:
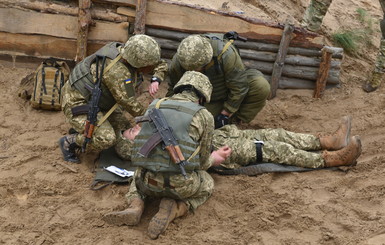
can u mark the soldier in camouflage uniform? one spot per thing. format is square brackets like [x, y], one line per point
[285, 147]
[314, 14]
[124, 63]
[156, 175]
[379, 67]
[238, 93]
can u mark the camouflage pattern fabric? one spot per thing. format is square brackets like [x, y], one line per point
[379, 67]
[195, 191]
[232, 89]
[141, 51]
[314, 14]
[194, 52]
[281, 146]
[199, 81]
[199, 185]
[106, 135]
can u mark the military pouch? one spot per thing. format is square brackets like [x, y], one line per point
[49, 78]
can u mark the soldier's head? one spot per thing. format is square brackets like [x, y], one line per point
[194, 52]
[196, 82]
[141, 51]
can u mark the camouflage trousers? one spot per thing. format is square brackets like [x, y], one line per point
[254, 101]
[379, 68]
[314, 14]
[194, 191]
[106, 135]
[280, 146]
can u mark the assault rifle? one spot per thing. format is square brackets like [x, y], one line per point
[93, 104]
[165, 134]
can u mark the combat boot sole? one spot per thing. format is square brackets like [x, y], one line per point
[125, 217]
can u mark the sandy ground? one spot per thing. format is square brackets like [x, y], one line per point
[44, 200]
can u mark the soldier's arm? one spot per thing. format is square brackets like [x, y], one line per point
[115, 80]
[201, 130]
[160, 70]
[238, 88]
[175, 72]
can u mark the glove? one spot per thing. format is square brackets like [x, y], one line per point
[221, 120]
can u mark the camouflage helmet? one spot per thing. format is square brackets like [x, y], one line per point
[198, 80]
[141, 51]
[194, 52]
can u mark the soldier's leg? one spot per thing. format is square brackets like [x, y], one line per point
[378, 72]
[244, 152]
[283, 153]
[131, 215]
[170, 209]
[120, 123]
[255, 100]
[314, 14]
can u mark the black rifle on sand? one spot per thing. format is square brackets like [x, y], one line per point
[92, 115]
[164, 134]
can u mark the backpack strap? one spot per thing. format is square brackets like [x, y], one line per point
[227, 45]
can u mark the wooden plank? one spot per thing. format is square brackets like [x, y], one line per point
[50, 7]
[43, 46]
[323, 72]
[280, 61]
[84, 22]
[28, 22]
[140, 17]
[117, 2]
[302, 72]
[189, 19]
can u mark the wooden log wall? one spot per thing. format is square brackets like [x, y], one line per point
[301, 64]
[45, 29]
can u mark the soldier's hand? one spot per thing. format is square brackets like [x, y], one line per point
[221, 120]
[153, 88]
[221, 155]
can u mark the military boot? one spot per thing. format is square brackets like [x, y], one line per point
[68, 147]
[129, 216]
[340, 138]
[169, 209]
[374, 82]
[344, 157]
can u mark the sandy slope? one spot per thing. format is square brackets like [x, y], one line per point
[44, 200]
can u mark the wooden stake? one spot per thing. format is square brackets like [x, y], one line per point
[83, 24]
[323, 72]
[279, 62]
[140, 17]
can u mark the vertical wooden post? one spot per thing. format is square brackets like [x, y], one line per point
[84, 21]
[323, 71]
[280, 60]
[140, 17]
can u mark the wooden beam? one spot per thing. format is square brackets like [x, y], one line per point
[65, 26]
[117, 2]
[199, 20]
[323, 72]
[84, 21]
[280, 61]
[43, 46]
[54, 8]
[140, 17]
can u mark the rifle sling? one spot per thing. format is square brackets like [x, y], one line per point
[104, 118]
[153, 141]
